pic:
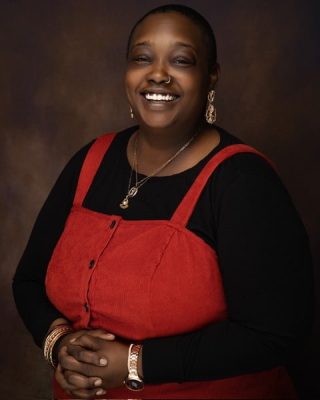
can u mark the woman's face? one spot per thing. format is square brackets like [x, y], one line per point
[167, 46]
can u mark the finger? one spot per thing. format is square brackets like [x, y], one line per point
[88, 341]
[87, 393]
[64, 358]
[81, 381]
[68, 362]
[102, 334]
[83, 355]
[66, 386]
[62, 352]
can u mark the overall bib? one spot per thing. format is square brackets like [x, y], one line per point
[147, 279]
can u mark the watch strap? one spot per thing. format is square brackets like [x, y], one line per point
[133, 381]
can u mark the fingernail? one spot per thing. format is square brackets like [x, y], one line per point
[110, 335]
[103, 361]
[100, 392]
[97, 382]
[73, 340]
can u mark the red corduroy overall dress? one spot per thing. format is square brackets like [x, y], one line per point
[147, 279]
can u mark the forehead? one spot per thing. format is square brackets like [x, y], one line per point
[168, 28]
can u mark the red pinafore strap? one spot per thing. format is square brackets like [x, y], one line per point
[183, 212]
[91, 165]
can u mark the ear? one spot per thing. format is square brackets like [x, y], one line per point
[214, 76]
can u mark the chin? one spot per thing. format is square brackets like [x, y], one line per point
[156, 121]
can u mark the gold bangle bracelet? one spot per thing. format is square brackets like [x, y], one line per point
[51, 340]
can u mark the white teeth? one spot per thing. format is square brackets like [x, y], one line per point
[159, 97]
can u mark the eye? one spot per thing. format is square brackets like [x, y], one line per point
[182, 61]
[141, 59]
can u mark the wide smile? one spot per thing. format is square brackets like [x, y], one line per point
[153, 97]
[159, 97]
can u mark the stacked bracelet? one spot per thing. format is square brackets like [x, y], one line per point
[51, 339]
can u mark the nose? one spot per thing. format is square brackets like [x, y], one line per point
[158, 74]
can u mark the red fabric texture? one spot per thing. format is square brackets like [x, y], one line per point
[147, 279]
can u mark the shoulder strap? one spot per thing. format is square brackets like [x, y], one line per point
[90, 166]
[183, 212]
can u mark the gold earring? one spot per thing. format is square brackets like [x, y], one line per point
[211, 112]
[131, 112]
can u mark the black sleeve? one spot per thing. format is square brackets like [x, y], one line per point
[266, 269]
[28, 285]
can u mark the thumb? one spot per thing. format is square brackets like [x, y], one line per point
[90, 342]
[102, 334]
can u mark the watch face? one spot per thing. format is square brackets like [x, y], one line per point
[134, 384]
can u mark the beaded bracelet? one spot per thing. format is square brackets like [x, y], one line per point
[51, 339]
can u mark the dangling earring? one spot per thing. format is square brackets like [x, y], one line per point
[211, 112]
[131, 112]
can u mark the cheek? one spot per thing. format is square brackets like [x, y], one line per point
[195, 81]
[132, 80]
[196, 90]
[130, 84]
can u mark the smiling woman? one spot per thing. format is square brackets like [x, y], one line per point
[164, 48]
[174, 254]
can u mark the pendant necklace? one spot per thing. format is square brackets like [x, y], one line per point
[133, 190]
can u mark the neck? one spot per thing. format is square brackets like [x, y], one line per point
[156, 146]
[166, 139]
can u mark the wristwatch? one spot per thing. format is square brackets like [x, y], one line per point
[133, 380]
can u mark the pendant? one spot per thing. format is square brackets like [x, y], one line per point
[131, 193]
[125, 203]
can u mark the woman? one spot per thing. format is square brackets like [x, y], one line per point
[168, 257]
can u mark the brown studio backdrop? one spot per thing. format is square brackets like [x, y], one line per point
[62, 64]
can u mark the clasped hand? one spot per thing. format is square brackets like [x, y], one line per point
[89, 362]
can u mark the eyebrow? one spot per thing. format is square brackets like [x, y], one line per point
[180, 44]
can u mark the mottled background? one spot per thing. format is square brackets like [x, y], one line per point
[61, 85]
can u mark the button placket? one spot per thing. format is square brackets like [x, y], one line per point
[92, 264]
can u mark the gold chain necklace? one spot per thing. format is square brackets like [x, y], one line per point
[133, 190]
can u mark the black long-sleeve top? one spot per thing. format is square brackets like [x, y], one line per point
[244, 213]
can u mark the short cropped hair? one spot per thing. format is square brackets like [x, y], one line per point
[195, 17]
